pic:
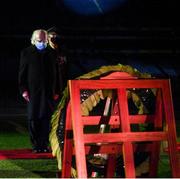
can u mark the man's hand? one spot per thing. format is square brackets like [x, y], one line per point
[25, 95]
[56, 96]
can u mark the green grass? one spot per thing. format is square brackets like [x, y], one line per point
[31, 168]
[164, 170]
[14, 141]
[14, 135]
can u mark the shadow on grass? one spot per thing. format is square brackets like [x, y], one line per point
[26, 174]
[36, 168]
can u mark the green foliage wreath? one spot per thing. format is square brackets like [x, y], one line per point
[88, 104]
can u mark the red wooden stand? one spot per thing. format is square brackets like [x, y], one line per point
[125, 141]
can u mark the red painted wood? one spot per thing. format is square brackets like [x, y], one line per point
[118, 84]
[78, 129]
[114, 120]
[119, 75]
[68, 146]
[111, 166]
[126, 138]
[128, 154]
[178, 148]
[171, 129]
[115, 148]
[155, 151]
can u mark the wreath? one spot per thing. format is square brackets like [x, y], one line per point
[141, 101]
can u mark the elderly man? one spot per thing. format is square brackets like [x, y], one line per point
[37, 84]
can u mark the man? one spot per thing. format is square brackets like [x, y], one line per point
[37, 83]
[56, 44]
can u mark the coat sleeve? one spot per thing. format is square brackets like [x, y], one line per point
[22, 75]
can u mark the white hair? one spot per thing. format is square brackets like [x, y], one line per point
[33, 37]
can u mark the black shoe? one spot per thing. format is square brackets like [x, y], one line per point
[36, 150]
[45, 150]
[41, 150]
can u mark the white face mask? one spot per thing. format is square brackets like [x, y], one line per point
[40, 45]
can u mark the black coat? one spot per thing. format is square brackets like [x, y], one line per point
[38, 76]
[38, 71]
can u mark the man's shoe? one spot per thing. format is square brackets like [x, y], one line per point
[36, 150]
[45, 150]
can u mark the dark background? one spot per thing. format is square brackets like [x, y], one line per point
[142, 33]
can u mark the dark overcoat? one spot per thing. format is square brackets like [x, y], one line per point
[37, 75]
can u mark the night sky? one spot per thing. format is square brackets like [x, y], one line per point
[143, 33]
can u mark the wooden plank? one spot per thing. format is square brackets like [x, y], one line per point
[171, 129]
[117, 84]
[124, 136]
[128, 154]
[78, 129]
[155, 150]
[114, 120]
[115, 148]
[68, 146]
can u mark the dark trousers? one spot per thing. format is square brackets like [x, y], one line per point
[39, 132]
[40, 109]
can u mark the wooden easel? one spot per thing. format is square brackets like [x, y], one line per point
[78, 143]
